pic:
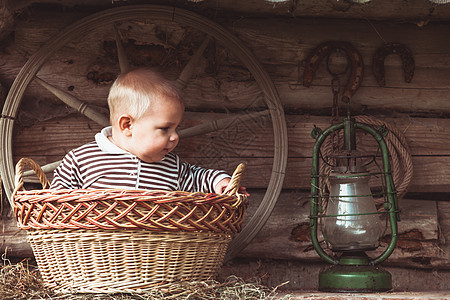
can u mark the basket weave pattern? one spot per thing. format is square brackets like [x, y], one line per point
[100, 261]
[128, 209]
[109, 241]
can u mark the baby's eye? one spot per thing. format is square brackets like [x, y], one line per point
[164, 128]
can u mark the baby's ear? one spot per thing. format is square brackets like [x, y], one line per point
[124, 123]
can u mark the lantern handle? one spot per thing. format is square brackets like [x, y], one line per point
[391, 193]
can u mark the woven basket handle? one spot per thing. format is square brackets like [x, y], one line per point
[233, 186]
[28, 162]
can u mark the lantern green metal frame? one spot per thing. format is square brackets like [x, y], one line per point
[353, 272]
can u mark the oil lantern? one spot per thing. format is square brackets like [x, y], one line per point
[343, 208]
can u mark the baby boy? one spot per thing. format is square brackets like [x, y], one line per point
[136, 151]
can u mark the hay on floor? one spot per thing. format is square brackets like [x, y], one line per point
[22, 281]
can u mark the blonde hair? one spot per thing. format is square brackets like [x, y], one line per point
[135, 91]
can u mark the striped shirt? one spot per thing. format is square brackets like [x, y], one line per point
[102, 165]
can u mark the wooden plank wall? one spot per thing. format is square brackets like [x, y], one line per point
[418, 109]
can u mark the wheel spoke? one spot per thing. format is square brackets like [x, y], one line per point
[188, 70]
[123, 60]
[45, 168]
[74, 102]
[220, 124]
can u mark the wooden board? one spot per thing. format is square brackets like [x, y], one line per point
[416, 11]
[427, 138]
[13, 243]
[281, 45]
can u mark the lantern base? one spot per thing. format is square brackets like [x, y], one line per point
[358, 279]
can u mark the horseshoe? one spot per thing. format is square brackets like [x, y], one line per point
[323, 50]
[392, 48]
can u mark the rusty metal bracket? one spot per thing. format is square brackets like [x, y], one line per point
[325, 49]
[392, 48]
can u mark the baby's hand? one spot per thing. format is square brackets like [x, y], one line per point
[222, 185]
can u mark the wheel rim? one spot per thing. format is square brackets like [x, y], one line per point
[234, 45]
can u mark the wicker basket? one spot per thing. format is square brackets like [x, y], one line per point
[108, 241]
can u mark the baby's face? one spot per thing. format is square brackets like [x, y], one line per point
[155, 133]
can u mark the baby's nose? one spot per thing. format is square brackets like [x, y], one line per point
[173, 137]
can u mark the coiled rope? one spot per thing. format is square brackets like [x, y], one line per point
[401, 159]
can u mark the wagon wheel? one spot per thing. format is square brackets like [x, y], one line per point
[134, 22]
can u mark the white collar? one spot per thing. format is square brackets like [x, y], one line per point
[105, 144]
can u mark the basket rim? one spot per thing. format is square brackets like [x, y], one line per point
[131, 194]
[113, 209]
